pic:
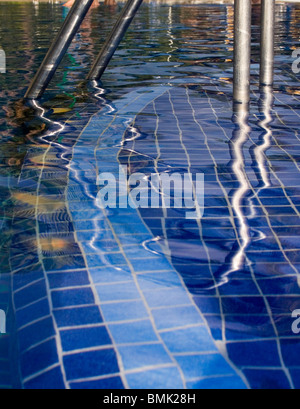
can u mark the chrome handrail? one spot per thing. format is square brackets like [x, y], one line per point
[114, 39]
[58, 48]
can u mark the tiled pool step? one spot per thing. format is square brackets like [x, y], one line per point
[90, 315]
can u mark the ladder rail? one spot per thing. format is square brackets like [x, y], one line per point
[58, 49]
[114, 39]
[242, 46]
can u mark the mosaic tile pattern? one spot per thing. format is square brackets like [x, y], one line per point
[98, 308]
[139, 316]
[95, 308]
[150, 331]
[248, 308]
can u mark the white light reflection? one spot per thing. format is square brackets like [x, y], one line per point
[240, 138]
[260, 150]
[238, 167]
[102, 212]
[169, 33]
[41, 114]
[44, 138]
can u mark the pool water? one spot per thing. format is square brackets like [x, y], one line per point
[146, 298]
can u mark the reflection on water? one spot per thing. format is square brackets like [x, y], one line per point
[260, 150]
[237, 144]
[244, 199]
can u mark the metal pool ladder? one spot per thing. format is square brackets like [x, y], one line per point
[65, 36]
[242, 58]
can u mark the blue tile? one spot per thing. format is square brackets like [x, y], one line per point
[123, 311]
[284, 305]
[91, 364]
[98, 260]
[24, 260]
[164, 378]
[176, 317]
[74, 339]
[282, 285]
[36, 333]
[134, 332]
[70, 279]
[147, 265]
[90, 225]
[208, 305]
[86, 205]
[107, 384]
[33, 312]
[118, 292]
[85, 236]
[39, 358]
[239, 287]
[26, 277]
[156, 281]
[201, 366]
[30, 294]
[64, 227]
[52, 379]
[104, 246]
[137, 239]
[70, 317]
[167, 298]
[130, 228]
[140, 356]
[291, 352]
[267, 379]
[139, 252]
[194, 339]
[254, 354]
[64, 263]
[220, 383]
[67, 298]
[295, 373]
[111, 274]
[284, 324]
[244, 305]
[239, 327]
[87, 215]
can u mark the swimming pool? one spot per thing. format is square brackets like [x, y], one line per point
[146, 298]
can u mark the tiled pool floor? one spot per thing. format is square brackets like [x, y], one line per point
[126, 298]
[139, 299]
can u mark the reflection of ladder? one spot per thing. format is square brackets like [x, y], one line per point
[242, 45]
